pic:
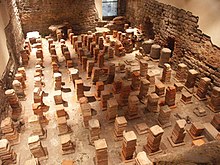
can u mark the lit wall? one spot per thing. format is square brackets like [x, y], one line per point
[208, 12]
[98, 4]
[4, 55]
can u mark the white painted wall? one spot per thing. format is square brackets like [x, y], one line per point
[208, 12]
[4, 55]
[98, 4]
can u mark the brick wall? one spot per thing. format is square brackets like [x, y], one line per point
[170, 23]
[39, 15]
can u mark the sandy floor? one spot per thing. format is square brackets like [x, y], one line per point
[84, 151]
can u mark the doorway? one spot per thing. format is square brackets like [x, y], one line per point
[171, 44]
[148, 28]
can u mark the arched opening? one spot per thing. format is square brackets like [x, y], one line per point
[148, 28]
[171, 44]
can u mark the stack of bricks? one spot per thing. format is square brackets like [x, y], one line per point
[95, 54]
[128, 145]
[33, 161]
[143, 68]
[160, 89]
[216, 121]
[60, 112]
[105, 95]
[196, 129]
[155, 51]
[105, 49]
[79, 88]
[74, 39]
[95, 74]
[147, 46]
[100, 60]
[78, 44]
[21, 79]
[68, 162]
[117, 85]
[39, 54]
[9, 132]
[91, 49]
[152, 103]
[191, 78]
[81, 54]
[135, 83]
[54, 56]
[14, 103]
[94, 130]
[151, 77]
[84, 63]
[125, 92]
[68, 146]
[38, 95]
[181, 72]
[74, 74]
[38, 71]
[170, 96]
[62, 125]
[85, 37]
[18, 89]
[179, 132]
[133, 109]
[166, 75]
[110, 52]
[111, 73]
[50, 41]
[101, 43]
[39, 63]
[186, 97]
[203, 87]
[36, 127]
[154, 139]
[55, 67]
[101, 157]
[164, 57]
[112, 108]
[22, 71]
[145, 84]
[24, 57]
[39, 109]
[89, 41]
[99, 87]
[7, 154]
[70, 36]
[58, 97]
[86, 113]
[214, 102]
[142, 159]
[90, 65]
[38, 82]
[57, 81]
[164, 116]
[36, 148]
[52, 49]
[120, 126]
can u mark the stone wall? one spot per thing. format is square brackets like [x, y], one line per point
[38, 15]
[172, 24]
[14, 37]
[13, 31]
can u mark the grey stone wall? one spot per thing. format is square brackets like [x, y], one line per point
[40, 14]
[191, 46]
